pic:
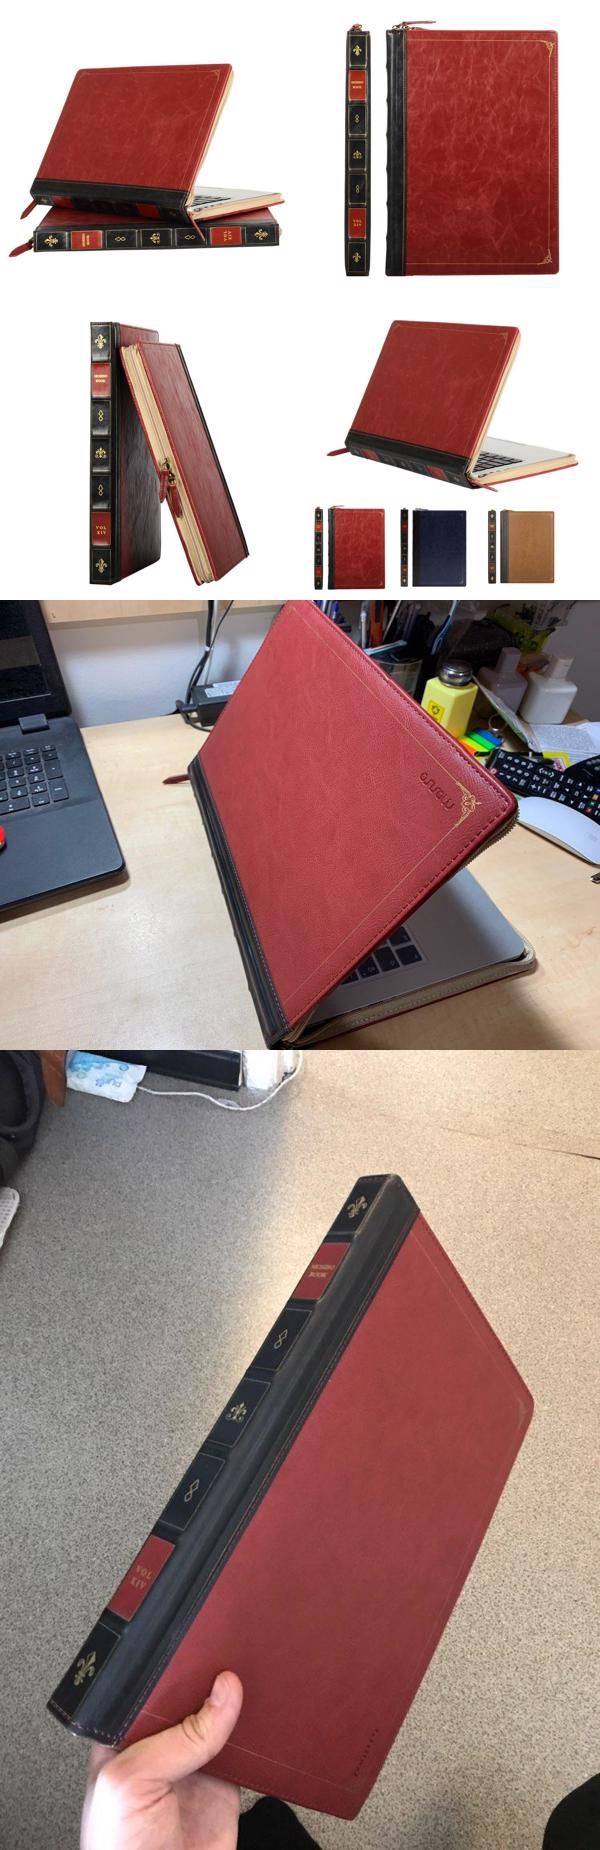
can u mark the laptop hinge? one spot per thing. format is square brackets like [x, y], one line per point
[34, 722]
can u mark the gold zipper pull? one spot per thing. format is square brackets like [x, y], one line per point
[168, 488]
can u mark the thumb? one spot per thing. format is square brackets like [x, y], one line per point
[167, 1757]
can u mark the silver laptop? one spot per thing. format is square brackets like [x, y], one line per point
[457, 940]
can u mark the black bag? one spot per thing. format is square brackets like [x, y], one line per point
[22, 1094]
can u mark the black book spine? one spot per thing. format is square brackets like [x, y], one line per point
[492, 547]
[396, 40]
[133, 202]
[357, 205]
[171, 1576]
[404, 546]
[103, 440]
[152, 237]
[504, 540]
[318, 549]
[440, 464]
[331, 579]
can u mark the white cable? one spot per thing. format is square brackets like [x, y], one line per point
[226, 1104]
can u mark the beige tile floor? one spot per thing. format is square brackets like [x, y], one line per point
[154, 1246]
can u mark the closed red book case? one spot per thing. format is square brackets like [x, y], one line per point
[320, 1538]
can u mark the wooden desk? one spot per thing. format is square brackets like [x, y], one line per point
[153, 962]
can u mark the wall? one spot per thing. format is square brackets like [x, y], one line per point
[121, 670]
[133, 670]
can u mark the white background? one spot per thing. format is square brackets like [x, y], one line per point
[280, 343]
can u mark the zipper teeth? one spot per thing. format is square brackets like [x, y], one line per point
[505, 830]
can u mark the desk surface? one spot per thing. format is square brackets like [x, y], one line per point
[154, 960]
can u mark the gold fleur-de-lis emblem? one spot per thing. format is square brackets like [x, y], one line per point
[356, 257]
[100, 341]
[86, 1667]
[260, 234]
[51, 241]
[100, 453]
[357, 155]
[155, 237]
[238, 1413]
[356, 50]
[101, 566]
[357, 1207]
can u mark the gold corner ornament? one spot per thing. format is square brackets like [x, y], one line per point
[468, 803]
[549, 44]
[86, 1667]
[51, 242]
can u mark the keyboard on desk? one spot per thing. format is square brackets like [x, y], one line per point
[396, 951]
[31, 779]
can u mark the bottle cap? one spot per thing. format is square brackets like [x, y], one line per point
[557, 667]
[456, 674]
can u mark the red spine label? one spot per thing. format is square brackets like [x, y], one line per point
[86, 240]
[357, 86]
[357, 222]
[101, 380]
[226, 234]
[101, 529]
[322, 1269]
[141, 1576]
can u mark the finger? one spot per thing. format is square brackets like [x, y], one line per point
[164, 1758]
[99, 1756]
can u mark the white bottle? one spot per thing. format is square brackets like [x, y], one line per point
[549, 693]
[505, 680]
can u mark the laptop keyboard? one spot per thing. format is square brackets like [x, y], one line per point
[395, 952]
[487, 460]
[31, 779]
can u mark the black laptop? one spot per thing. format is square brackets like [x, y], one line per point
[55, 831]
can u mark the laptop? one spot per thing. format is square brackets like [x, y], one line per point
[457, 940]
[430, 401]
[55, 832]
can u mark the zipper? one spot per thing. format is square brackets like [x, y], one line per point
[505, 830]
[169, 490]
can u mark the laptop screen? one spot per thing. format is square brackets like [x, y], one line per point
[30, 680]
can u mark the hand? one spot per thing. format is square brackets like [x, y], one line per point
[153, 1796]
